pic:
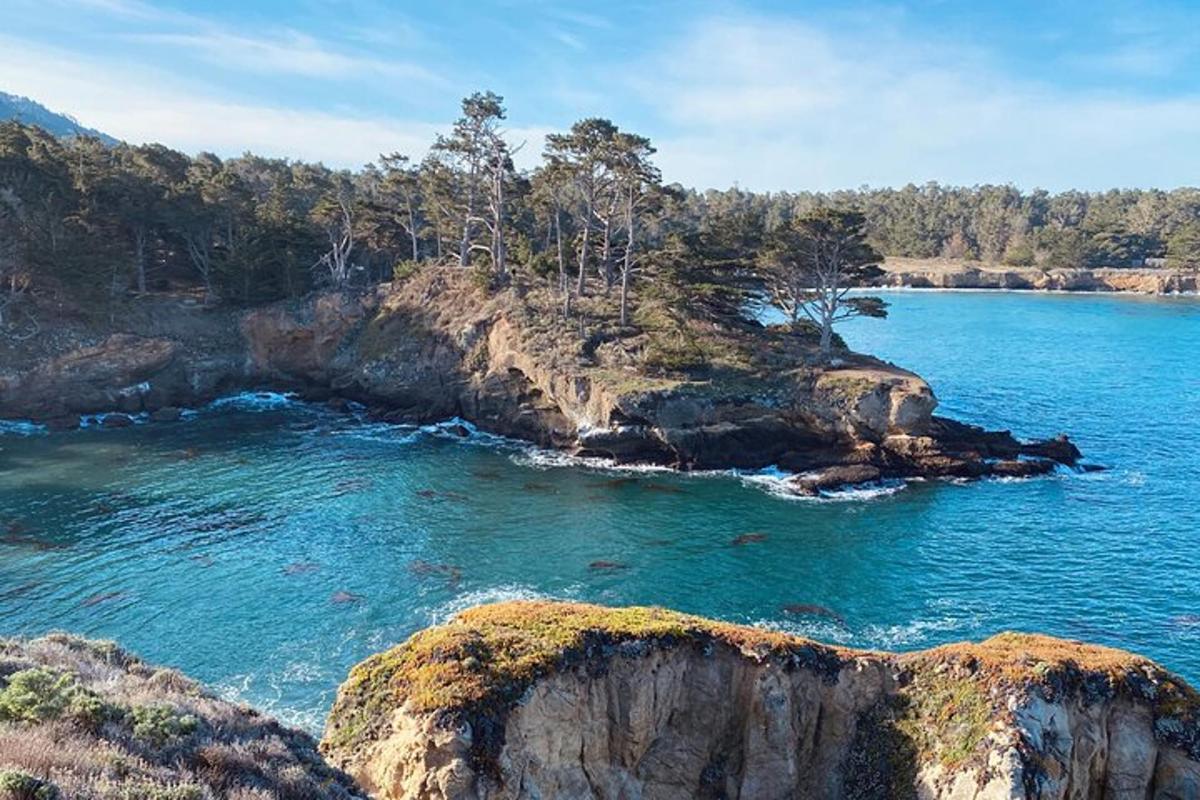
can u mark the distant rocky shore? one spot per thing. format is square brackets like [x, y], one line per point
[435, 348]
[944, 274]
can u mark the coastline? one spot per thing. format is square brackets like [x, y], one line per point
[427, 351]
[951, 275]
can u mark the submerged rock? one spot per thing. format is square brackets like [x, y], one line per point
[545, 699]
[166, 414]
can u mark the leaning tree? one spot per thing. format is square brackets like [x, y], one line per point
[812, 265]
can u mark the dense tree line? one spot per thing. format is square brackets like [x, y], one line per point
[89, 220]
[1000, 224]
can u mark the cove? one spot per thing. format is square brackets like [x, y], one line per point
[265, 546]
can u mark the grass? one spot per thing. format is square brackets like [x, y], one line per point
[480, 664]
[88, 721]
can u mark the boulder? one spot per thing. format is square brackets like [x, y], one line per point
[166, 414]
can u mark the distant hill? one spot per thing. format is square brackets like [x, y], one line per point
[29, 112]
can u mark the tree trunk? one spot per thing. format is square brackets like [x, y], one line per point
[562, 263]
[412, 230]
[499, 252]
[627, 267]
[139, 258]
[464, 250]
[583, 257]
[606, 257]
[826, 332]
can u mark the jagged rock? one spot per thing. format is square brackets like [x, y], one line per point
[544, 699]
[65, 423]
[1059, 449]
[166, 414]
[435, 348]
[813, 484]
[1024, 468]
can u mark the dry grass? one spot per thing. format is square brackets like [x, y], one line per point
[90, 721]
[481, 663]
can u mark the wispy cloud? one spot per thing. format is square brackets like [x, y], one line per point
[289, 53]
[148, 106]
[774, 104]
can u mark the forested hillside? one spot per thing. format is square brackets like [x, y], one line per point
[92, 221]
[15, 108]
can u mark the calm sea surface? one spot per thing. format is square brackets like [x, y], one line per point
[264, 547]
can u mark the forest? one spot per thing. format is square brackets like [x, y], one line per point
[87, 220]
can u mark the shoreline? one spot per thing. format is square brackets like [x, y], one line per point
[771, 480]
[935, 274]
[1188, 294]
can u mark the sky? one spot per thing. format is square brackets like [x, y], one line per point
[767, 95]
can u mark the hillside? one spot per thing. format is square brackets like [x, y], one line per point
[30, 112]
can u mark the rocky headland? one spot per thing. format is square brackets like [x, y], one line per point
[912, 273]
[542, 699]
[681, 394]
[545, 699]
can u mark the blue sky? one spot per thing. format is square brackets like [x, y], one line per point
[769, 95]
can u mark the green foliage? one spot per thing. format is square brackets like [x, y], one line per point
[403, 270]
[40, 695]
[15, 785]
[155, 791]
[159, 725]
[1020, 254]
[543, 265]
[1183, 248]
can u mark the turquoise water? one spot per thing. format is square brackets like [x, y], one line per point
[265, 547]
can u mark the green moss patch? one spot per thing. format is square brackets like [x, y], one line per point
[480, 664]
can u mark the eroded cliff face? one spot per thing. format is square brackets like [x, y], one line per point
[527, 700]
[436, 347]
[965, 276]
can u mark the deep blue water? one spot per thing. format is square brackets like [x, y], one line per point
[218, 544]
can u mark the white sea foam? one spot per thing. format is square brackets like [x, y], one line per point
[13, 427]
[255, 401]
[496, 594]
[777, 483]
[543, 459]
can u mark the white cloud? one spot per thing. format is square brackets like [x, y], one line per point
[147, 106]
[772, 104]
[289, 53]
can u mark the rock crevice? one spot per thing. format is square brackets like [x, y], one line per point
[540, 699]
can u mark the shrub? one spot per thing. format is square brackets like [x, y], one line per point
[483, 277]
[41, 695]
[403, 270]
[1019, 254]
[153, 791]
[158, 725]
[16, 785]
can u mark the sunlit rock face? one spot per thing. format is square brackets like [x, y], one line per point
[435, 348]
[543, 699]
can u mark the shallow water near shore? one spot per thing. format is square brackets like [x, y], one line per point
[265, 546]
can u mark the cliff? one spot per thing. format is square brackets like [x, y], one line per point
[684, 393]
[943, 274]
[542, 699]
[84, 720]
